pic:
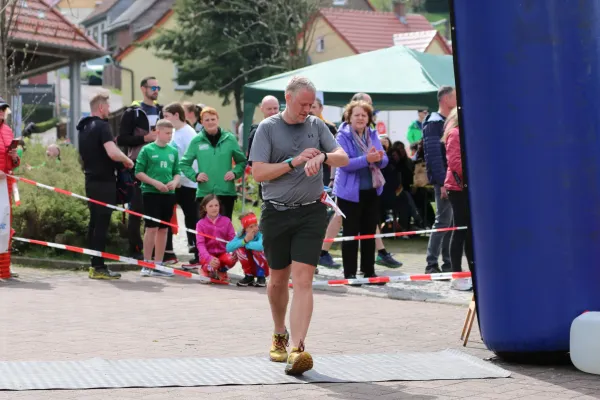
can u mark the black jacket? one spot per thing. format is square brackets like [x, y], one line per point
[93, 133]
[435, 151]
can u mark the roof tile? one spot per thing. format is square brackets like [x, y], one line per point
[419, 41]
[372, 30]
[37, 23]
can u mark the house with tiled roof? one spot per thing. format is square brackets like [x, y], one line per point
[98, 21]
[340, 32]
[424, 41]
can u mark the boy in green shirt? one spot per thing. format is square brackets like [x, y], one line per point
[157, 167]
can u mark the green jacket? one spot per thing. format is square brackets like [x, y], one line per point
[214, 162]
[415, 132]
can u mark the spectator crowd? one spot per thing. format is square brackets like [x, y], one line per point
[178, 155]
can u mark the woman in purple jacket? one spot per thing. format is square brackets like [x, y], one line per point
[359, 185]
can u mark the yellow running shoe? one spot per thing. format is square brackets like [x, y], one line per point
[299, 361]
[103, 273]
[278, 351]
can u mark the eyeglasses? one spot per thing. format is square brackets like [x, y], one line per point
[154, 88]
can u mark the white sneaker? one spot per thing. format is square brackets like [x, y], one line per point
[161, 274]
[146, 272]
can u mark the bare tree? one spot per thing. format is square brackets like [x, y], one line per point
[8, 14]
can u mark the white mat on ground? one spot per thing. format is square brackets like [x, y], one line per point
[169, 372]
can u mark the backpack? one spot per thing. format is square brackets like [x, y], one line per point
[125, 185]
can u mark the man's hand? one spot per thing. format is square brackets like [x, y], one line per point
[172, 185]
[373, 155]
[128, 163]
[306, 155]
[161, 187]
[150, 137]
[214, 263]
[313, 165]
[443, 193]
[229, 176]
[202, 177]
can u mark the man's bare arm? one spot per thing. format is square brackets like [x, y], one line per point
[337, 158]
[267, 172]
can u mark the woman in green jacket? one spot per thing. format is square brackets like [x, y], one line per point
[214, 149]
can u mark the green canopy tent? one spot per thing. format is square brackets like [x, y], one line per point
[396, 78]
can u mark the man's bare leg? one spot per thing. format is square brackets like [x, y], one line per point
[379, 241]
[302, 301]
[332, 230]
[279, 296]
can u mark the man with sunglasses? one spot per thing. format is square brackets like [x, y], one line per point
[138, 129]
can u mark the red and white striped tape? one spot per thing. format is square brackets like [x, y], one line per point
[391, 279]
[384, 235]
[78, 196]
[339, 239]
[115, 257]
[200, 278]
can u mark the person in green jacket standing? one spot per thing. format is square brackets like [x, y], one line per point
[214, 149]
[415, 130]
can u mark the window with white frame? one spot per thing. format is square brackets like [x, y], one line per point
[177, 85]
[320, 44]
[339, 2]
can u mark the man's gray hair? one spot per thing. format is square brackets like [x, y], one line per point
[359, 96]
[443, 91]
[298, 83]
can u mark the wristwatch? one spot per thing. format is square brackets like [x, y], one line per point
[325, 159]
[289, 162]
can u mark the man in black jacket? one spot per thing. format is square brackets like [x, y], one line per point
[99, 155]
[436, 164]
[137, 129]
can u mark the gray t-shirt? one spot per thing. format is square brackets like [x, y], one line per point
[275, 141]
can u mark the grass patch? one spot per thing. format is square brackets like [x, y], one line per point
[115, 91]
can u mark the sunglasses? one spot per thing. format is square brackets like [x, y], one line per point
[154, 88]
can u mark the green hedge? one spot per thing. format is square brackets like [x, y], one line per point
[37, 113]
[55, 217]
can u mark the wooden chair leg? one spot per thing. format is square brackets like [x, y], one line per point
[466, 331]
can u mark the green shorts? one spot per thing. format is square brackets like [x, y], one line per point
[294, 234]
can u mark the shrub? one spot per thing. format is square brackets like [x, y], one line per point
[37, 113]
[51, 216]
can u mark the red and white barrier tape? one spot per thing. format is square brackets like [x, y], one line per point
[78, 196]
[115, 257]
[339, 239]
[391, 279]
[384, 235]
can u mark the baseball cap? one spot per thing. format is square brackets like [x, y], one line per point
[3, 104]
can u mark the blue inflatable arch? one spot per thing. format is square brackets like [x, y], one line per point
[528, 79]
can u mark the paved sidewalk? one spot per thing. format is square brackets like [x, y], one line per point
[60, 315]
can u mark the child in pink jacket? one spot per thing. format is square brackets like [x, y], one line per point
[215, 261]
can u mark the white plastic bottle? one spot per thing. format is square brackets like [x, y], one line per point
[585, 342]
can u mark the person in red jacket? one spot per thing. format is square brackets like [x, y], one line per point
[454, 184]
[8, 161]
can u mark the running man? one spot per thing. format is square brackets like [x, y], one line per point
[288, 152]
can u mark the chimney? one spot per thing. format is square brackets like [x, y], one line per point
[400, 10]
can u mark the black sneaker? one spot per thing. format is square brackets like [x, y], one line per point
[136, 255]
[248, 280]
[261, 281]
[433, 269]
[103, 273]
[353, 284]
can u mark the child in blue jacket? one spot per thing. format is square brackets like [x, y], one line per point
[248, 247]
